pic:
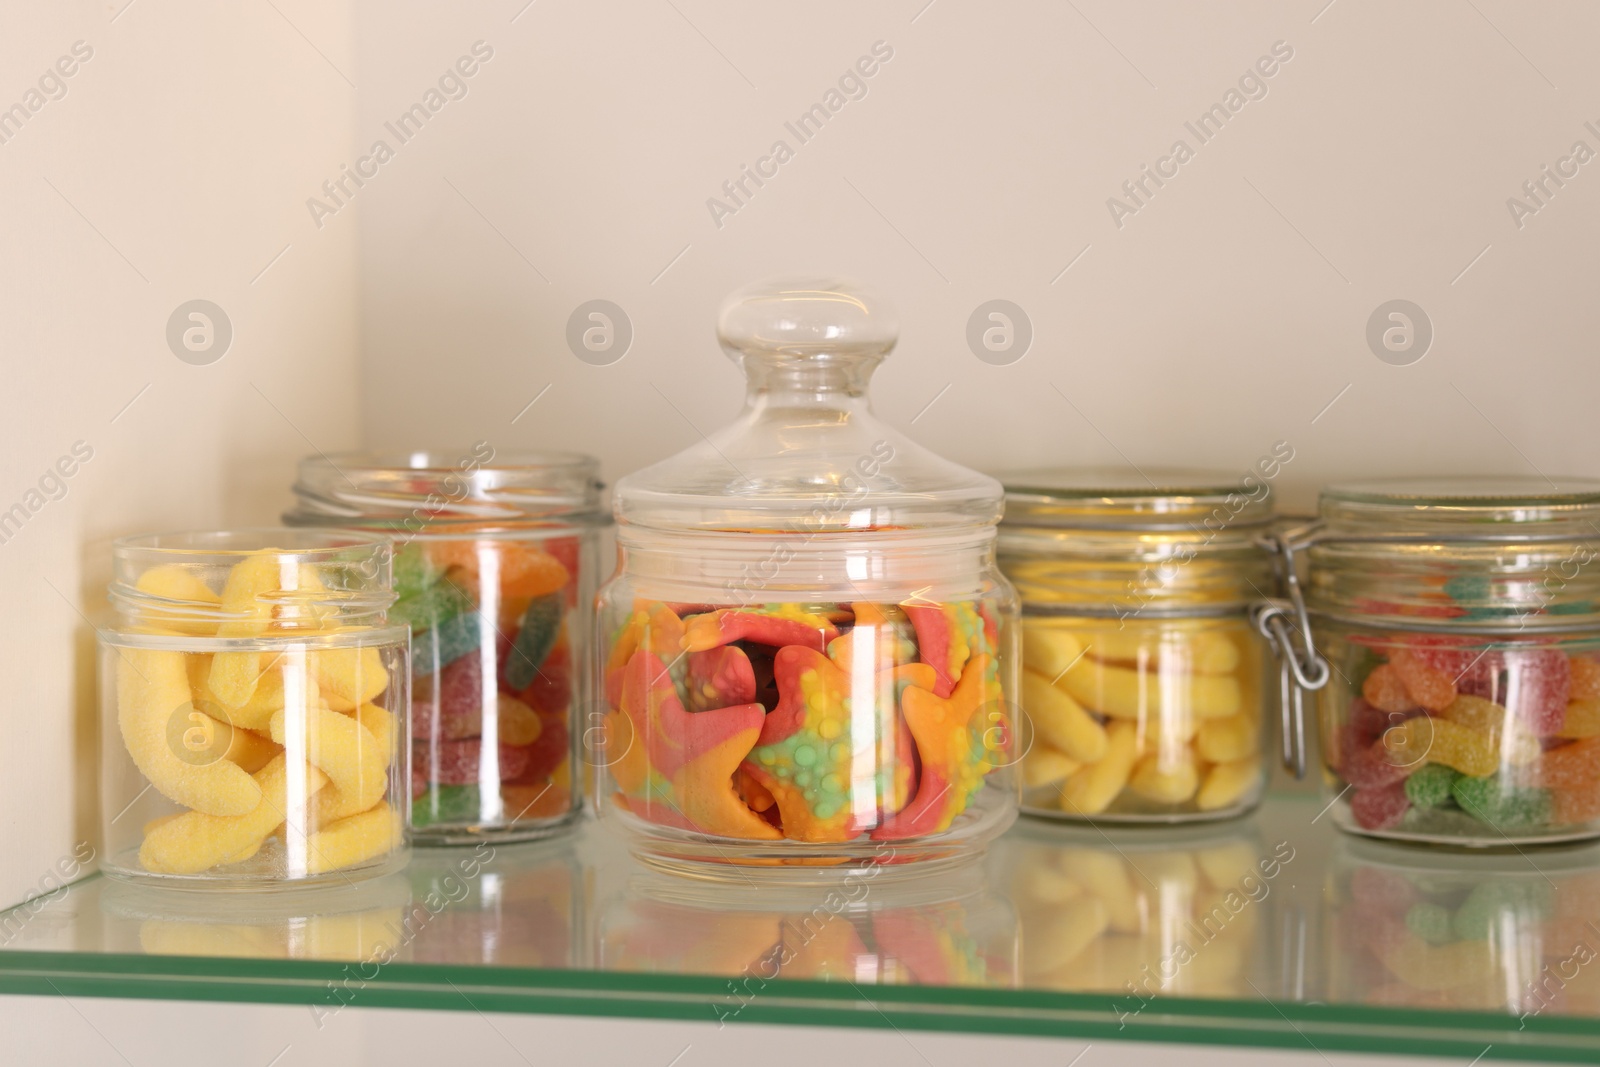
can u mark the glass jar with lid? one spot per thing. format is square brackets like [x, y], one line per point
[1142, 675]
[252, 696]
[806, 651]
[1460, 620]
[495, 574]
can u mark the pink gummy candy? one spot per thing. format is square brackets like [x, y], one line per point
[451, 705]
[1381, 807]
[459, 762]
[1368, 723]
[1538, 683]
[1367, 765]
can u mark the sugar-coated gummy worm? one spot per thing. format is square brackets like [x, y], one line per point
[1047, 649]
[1092, 789]
[353, 840]
[1122, 693]
[268, 697]
[348, 677]
[1060, 721]
[1166, 780]
[153, 686]
[1046, 766]
[344, 750]
[1226, 783]
[1225, 740]
[245, 601]
[195, 842]
[1199, 652]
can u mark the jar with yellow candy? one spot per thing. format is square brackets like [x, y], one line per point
[1142, 682]
[806, 654]
[253, 701]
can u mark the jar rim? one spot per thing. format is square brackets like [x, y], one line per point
[1134, 498]
[1461, 506]
[480, 485]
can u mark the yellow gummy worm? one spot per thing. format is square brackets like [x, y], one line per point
[1092, 789]
[1055, 938]
[1225, 740]
[1060, 721]
[255, 713]
[250, 751]
[1167, 781]
[1227, 783]
[1485, 715]
[195, 842]
[234, 675]
[381, 723]
[353, 840]
[1475, 753]
[331, 804]
[519, 724]
[152, 687]
[348, 677]
[1123, 693]
[344, 750]
[176, 583]
[1197, 651]
[1044, 765]
[1048, 649]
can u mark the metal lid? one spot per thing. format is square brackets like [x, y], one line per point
[1465, 507]
[1129, 498]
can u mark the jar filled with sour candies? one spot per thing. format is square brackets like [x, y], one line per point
[806, 653]
[494, 572]
[1461, 621]
[1142, 674]
[253, 696]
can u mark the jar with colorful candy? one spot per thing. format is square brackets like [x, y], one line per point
[253, 696]
[806, 653]
[494, 571]
[1461, 621]
[1141, 672]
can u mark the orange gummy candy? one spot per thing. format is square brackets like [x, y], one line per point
[1384, 690]
[1585, 678]
[1571, 767]
[1428, 686]
[1581, 804]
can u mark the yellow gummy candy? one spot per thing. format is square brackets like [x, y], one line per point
[518, 723]
[1225, 740]
[1174, 650]
[342, 749]
[354, 840]
[246, 602]
[1048, 649]
[1167, 781]
[277, 675]
[195, 842]
[152, 687]
[1092, 789]
[348, 677]
[381, 723]
[1060, 721]
[178, 584]
[1044, 765]
[1485, 715]
[250, 750]
[1123, 693]
[1433, 740]
[1227, 784]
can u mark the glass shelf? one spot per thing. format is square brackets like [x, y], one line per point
[1270, 931]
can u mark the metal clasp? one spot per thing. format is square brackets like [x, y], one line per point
[1301, 668]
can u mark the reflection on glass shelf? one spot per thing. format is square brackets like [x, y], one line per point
[1274, 929]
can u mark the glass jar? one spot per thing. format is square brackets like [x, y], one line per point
[495, 575]
[1461, 621]
[252, 695]
[1142, 674]
[807, 647]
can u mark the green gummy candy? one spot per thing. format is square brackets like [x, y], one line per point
[541, 625]
[430, 605]
[442, 645]
[446, 804]
[413, 571]
[1521, 904]
[1431, 786]
[1431, 922]
[1501, 805]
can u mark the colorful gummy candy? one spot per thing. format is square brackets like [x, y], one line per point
[283, 758]
[815, 723]
[1152, 717]
[491, 678]
[1447, 739]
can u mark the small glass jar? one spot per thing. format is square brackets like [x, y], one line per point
[807, 646]
[1461, 621]
[253, 699]
[495, 576]
[1142, 674]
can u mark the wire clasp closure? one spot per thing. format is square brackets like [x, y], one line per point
[1286, 625]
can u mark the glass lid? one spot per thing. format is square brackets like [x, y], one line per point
[807, 454]
[1129, 498]
[1463, 505]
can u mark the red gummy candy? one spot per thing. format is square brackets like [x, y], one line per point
[1538, 685]
[550, 692]
[1380, 808]
[1368, 723]
[459, 762]
[719, 677]
[546, 753]
[1467, 665]
[1432, 688]
[1368, 765]
[451, 705]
